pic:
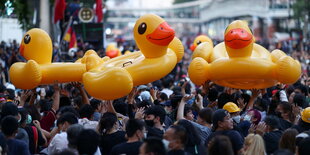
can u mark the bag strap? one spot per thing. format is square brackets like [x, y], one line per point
[35, 138]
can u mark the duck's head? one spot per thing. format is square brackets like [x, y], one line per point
[239, 39]
[200, 39]
[37, 45]
[152, 35]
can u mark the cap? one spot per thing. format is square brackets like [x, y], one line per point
[218, 115]
[167, 103]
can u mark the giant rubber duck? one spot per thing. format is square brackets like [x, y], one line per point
[36, 48]
[239, 62]
[198, 40]
[159, 52]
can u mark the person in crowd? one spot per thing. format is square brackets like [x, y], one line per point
[284, 111]
[177, 138]
[304, 121]
[220, 145]
[87, 142]
[86, 117]
[9, 127]
[60, 141]
[223, 125]
[154, 119]
[152, 146]
[254, 145]
[242, 126]
[271, 133]
[73, 133]
[135, 131]
[288, 140]
[110, 133]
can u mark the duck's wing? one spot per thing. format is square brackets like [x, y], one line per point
[178, 48]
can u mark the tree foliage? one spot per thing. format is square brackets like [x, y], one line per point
[301, 8]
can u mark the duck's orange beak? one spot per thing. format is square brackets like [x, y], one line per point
[162, 35]
[21, 50]
[238, 38]
[193, 47]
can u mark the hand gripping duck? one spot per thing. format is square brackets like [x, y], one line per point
[159, 52]
[36, 48]
[238, 62]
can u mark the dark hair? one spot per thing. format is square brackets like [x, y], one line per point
[303, 146]
[191, 132]
[33, 112]
[23, 114]
[287, 108]
[272, 122]
[78, 101]
[86, 111]
[155, 146]
[88, 141]
[73, 133]
[303, 89]
[163, 96]
[206, 115]
[180, 133]
[9, 109]
[261, 104]
[133, 125]
[220, 145]
[45, 105]
[95, 103]
[9, 125]
[64, 101]
[187, 109]
[157, 111]
[11, 95]
[121, 107]
[67, 117]
[223, 99]
[65, 109]
[213, 94]
[107, 122]
[288, 139]
[300, 100]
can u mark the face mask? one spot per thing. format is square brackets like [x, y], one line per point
[145, 135]
[278, 114]
[149, 123]
[29, 119]
[166, 144]
[237, 118]
[247, 118]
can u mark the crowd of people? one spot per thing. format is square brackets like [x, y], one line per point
[168, 116]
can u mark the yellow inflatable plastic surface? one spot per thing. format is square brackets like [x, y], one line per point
[198, 40]
[36, 48]
[239, 62]
[159, 52]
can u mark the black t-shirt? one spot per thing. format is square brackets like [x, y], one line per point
[284, 124]
[126, 148]
[234, 136]
[177, 152]
[108, 141]
[154, 132]
[271, 140]
[302, 126]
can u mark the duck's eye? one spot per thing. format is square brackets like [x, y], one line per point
[198, 42]
[142, 28]
[27, 39]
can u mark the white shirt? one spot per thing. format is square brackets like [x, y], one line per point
[58, 143]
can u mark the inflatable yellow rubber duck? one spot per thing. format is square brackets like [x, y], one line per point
[112, 51]
[238, 62]
[198, 40]
[159, 52]
[36, 48]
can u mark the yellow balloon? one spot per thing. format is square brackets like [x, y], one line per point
[36, 47]
[159, 53]
[239, 62]
[200, 39]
